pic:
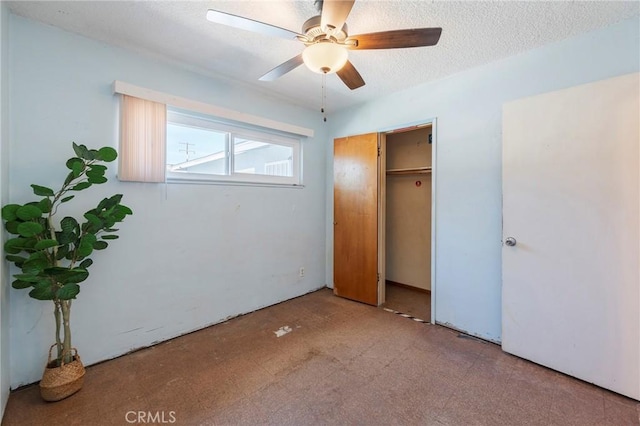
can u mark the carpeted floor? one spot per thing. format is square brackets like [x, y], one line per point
[408, 301]
[342, 363]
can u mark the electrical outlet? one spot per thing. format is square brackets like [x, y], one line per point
[301, 272]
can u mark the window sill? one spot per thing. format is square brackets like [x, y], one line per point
[196, 181]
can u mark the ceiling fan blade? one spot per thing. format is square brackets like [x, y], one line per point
[350, 76]
[249, 24]
[334, 13]
[283, 68]
[397, 39]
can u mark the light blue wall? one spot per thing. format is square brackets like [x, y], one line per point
[468, 108]
[4, 191]
[191, 255]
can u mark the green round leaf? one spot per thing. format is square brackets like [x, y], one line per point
[89, 239]
[34, 266]
[29, 243]
[100, 245]
[42, 191]
[80, 186]
[81, 151]
[45, 244]
[125, 209]
[28, 212]
[110, 237]
[37, 254]
[15, 245]
[15, 259]
[12, 226]
[97, 179]
[30, 278]
[29, 229]
[9, 211]
[56, 271]
[65, 199]
[93, 219]
[85, 249]
[107, 203]
[65, 238]
[107, 154]
[86, 263]
[63, 250]
[69, 225]
[73, 160]
[68, 291]
[76, 275]
[21, 284]
[77, 169]
[93, 171]
[43, 290]
[45, 205]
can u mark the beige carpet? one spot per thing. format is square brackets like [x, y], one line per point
[408, 301]
[342, 363]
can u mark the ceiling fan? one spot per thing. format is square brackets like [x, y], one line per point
[327, 40]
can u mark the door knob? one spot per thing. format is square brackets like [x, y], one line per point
[510, 241]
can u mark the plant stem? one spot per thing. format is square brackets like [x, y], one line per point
[52, 230]
[66, 344]
[56, 313]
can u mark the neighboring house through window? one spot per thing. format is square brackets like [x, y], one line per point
[200, 148]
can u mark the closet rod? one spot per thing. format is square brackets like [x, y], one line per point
[410, 171]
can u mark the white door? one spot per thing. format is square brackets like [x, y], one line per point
[570, 296]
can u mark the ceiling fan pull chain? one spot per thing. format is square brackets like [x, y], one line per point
[324, 97]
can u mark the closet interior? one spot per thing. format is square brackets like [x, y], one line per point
[408, 201]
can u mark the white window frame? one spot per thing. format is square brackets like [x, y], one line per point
[243, 131]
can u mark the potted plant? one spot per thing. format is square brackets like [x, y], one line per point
[54, 256]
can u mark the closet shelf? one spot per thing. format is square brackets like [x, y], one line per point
[410, 171]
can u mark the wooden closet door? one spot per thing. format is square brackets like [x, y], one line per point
[355, 218]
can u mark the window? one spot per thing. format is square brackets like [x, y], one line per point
[193, 141]
[202, 149]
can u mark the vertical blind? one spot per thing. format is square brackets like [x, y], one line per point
[143, 133]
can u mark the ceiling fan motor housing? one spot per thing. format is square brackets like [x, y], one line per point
[311, 28]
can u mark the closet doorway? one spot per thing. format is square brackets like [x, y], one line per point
[384, 219]
[407, 198]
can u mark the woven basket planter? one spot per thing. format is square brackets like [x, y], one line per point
[60, 382]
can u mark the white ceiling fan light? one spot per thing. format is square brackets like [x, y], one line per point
[325, 57]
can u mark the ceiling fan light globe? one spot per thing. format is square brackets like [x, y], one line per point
[325, 57]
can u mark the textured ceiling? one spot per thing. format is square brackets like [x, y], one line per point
[474, 33]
